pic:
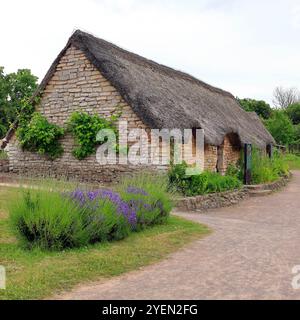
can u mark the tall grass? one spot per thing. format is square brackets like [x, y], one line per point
[292, 160]
[45, 219]
[265, 169]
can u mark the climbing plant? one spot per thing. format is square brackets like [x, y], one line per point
[85, 127]
[36, 133]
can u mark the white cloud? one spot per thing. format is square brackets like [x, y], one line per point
[246, 47]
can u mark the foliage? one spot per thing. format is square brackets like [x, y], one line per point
[292, 160]
[297, 134]
[147, 195]
[265, 169]
[56, 220]
[281, 128]
[293, 112]
[14, 87]
[35, 133]
[262, 108]
[233, 170]
[84, 128]
[204, 183]
[47, 220]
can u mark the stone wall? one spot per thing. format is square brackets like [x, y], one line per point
[212, 201]
[4, 165]
[78, 85]
[232, 150]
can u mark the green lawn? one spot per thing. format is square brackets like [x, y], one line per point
[293, 161]
[37, 274]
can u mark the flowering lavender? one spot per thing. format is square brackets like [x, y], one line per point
[122, 207]
[88, 199]
[137, 191]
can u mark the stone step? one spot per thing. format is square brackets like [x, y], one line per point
[259, 193]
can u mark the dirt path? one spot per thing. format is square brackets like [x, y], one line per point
[250, 255]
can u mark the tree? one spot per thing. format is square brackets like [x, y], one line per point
[282, 98]
[14, 87]
[281, 128]
[262, 108]
[297, 134]
[293, 112]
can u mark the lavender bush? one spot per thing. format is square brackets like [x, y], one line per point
[58, 220]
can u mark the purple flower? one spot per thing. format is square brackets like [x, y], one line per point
[137, 191]
[88, 199]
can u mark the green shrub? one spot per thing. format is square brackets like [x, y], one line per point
[84, 128]
[292, 161]
[55, 219]
[204, 183]
[47, 220]
[265, 169]
[37, 134]
[147, 194]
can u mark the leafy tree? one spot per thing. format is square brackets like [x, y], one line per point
[14, 88]
[262, 108]
[297, 134]
[293, 112]
[281, 128]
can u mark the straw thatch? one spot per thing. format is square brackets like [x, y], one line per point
[166, 98]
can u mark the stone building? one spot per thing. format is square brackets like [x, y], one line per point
[95, 76]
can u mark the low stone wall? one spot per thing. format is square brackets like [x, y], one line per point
[226, 199]
[212, 201]
[4, 165]
[278, 184]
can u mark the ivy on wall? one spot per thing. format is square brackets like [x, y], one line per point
[84, 128]
[35, 133]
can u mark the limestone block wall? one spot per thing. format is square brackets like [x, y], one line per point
[78, 86]
[211, 158]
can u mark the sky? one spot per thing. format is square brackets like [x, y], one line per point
[247, 47]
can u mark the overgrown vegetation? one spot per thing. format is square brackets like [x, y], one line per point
[85, 127]
[36, 133]
[261, 108]
[204, 183]
[14, 87]
[283, 122]
[58, 220]
[292, 160]
[265, 169]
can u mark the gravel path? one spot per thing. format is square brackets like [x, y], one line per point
[250, 255]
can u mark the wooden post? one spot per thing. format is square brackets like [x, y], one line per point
[270, 150]
[247, 163]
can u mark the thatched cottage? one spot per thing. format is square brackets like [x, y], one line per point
[94, 75]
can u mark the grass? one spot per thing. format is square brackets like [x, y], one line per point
[293, 161]
[38, 274]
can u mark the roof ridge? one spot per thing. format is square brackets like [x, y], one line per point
[160, 67]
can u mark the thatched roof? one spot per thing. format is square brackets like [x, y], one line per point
[166, 98]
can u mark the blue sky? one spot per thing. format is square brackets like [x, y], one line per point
[245, 47]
